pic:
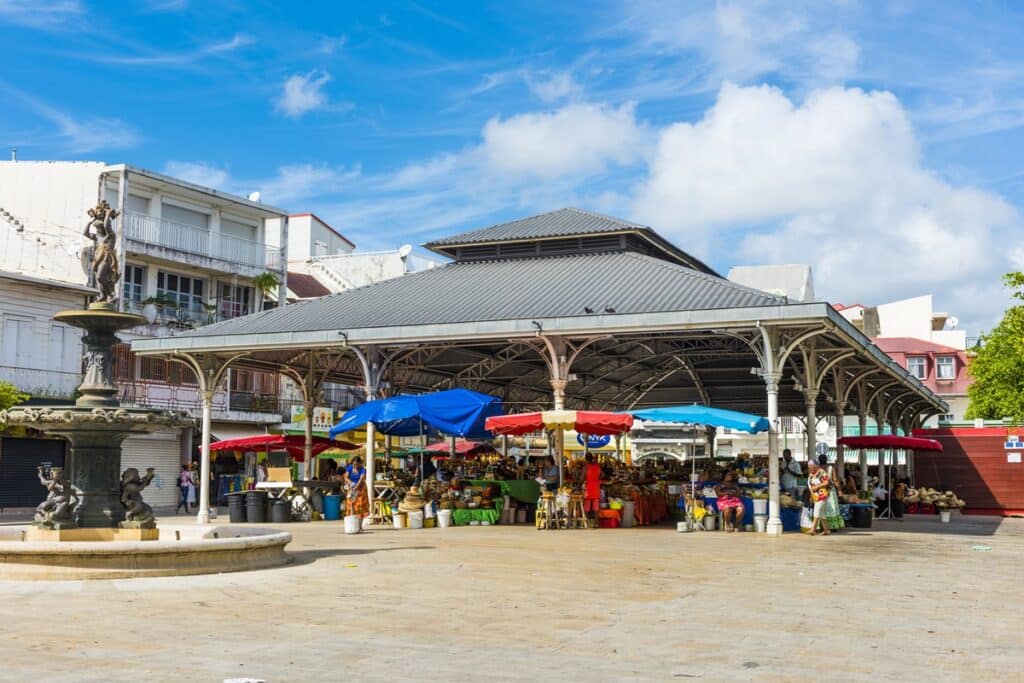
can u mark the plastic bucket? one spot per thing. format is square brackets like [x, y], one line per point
[944, 516]
[399, 520]
[709, 522]
[256, 506]
[353, 525]
[236, 508]
[861, 515]
[444, 518]
[520, 515]
[683, 527]
[760, 506]
[332, 507]
[429, 522]
[628, 511]
[760, 522]
[281, 511]
[416, 520]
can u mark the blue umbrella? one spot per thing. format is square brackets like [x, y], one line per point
[457, 412]
[704, 415]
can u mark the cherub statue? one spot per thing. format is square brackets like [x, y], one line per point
[104, 270]
[136, 509]
[60, 502]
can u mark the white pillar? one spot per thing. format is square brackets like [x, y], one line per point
[840, 448]
[558, 390]
[862, 418]
[811, 430]
[774, 527]
[203, 517]
[307, 448]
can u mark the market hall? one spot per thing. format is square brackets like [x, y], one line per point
[568, 310]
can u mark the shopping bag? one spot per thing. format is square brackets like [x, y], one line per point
[806, 520]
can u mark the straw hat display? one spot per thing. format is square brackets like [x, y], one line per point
[413, 501]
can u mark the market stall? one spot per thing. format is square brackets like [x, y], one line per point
[887, 444]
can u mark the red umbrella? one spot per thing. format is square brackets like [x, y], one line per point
[584, 421]
[293, 443]
[462, 447]
[911, 443]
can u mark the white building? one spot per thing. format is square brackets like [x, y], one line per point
[793, 281]
[190, 256]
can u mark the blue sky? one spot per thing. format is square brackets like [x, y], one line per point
[879, 142]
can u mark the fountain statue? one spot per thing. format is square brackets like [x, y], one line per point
[90, 491]
[136, 512]
[55, 511]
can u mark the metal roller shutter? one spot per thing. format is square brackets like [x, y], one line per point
[19, 458]
[162, 452]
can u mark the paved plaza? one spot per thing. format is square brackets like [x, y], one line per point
[511, 603]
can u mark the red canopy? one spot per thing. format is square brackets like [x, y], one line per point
[293, 443]
[462, 447]
[583, 421]
[910, 443]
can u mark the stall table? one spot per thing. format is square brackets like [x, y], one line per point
[523, 490]
[464, 517]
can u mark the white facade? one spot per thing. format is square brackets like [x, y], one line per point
[189, 256]
[915, 318]
[309, 237]
[793, 281]
[359, 269]
[39, 355]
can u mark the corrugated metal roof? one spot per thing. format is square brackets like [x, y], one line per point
[561, 223]
[623, 282]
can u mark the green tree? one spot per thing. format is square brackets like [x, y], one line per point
[10, 396]
[998, 367]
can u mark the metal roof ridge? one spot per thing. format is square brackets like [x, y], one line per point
[781, 300]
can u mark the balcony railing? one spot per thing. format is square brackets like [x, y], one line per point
[190, 239]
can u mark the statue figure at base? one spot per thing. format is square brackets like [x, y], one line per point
[56, 511]
[137, 513]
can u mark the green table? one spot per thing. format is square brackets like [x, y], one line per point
[464, 517]
[523, 490]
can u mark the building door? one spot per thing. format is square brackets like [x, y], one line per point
[19, 458]
[162, 452]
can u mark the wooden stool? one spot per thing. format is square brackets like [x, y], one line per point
[380, 513]
[547, 515]
[577, 515]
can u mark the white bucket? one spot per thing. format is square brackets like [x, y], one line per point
[353, 524]
[760, 506]
[944, 516]
[683, 527]
[709, 522]
[399, 520]
[444, 518]
[760, 521]
[628, 511]
[416, 520]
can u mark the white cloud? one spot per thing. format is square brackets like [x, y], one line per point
[200, 173]
[81, 135]
[578, 139]
[552, 86]
[173, 59]
[836, 182]
[303, 93]
[298, 182]
[742, 40]
[41, 14]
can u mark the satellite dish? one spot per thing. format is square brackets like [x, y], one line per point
[405, 250]
[254, 196]
[952, 322]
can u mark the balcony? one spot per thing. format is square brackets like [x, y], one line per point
[189, 239]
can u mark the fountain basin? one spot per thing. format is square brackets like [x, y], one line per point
[201, 550]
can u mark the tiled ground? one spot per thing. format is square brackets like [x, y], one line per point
[904, 601]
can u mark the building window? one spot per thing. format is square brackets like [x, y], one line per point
[186, 292]
[65, 355]
[153, 369]
[134, 286]
[234, 301]
[18, 341]
[945, 367]
[918, 366]
[948, 417]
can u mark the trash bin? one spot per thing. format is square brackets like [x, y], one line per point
[861, 516]
[236, 507]
[256, 506]
[332, 507]
[281, 511]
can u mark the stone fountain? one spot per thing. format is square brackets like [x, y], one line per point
[91, 492]
[90, 501]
